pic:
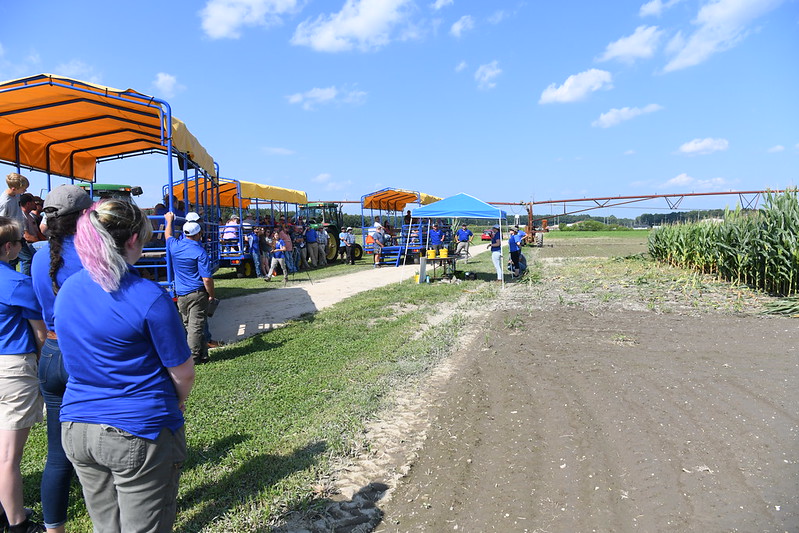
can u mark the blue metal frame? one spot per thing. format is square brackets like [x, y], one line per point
[155, 259]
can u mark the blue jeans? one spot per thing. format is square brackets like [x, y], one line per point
[289, 256]
[58, 471]
[256, 259]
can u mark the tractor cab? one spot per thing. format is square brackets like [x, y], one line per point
[100, 191]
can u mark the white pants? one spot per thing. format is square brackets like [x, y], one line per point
[496, 258]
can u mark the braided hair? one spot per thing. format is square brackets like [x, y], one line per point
[58, 228]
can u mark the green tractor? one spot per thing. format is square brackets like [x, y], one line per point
[99, 191]
[328, 216]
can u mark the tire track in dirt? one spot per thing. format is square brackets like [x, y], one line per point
[690, 425]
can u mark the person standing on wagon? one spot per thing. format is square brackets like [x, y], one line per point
[194, 282]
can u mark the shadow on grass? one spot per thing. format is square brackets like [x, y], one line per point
[256, 343]
[207, 502]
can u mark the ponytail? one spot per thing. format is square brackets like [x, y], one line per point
[100, 241]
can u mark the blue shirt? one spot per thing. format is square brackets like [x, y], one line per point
[17, 305]
[464, 235]
[254, 243]
[496, 242]
[310, 235]
[279, 244]
[513, 243]
[43, 284]
[190, 263]
[436, 235]
[117, 347]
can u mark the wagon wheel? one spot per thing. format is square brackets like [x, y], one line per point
[358, 252]
[246, 269]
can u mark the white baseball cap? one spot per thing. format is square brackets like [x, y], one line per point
[191, 228]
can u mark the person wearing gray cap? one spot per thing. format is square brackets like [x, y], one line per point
[52, 265]
[194, 282]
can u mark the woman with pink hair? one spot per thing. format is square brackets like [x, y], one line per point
[130, 373]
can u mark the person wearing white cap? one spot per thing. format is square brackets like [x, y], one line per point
[349, 242]
[194, 282]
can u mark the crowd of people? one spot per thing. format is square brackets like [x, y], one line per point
[104, 350]
[295, 244]
[107, 352]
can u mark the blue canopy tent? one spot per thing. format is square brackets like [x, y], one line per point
[462, 206]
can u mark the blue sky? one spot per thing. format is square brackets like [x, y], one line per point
[505, 100]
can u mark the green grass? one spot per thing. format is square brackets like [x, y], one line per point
[268, 414]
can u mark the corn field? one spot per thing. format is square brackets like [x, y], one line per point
[759, 249]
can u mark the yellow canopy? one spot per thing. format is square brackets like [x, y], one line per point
[395, 199]
[229, 193]
[63, 126]
[429, 198]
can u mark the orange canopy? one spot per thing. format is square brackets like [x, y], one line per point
[231, 192]
[395, 199]
[64, 126]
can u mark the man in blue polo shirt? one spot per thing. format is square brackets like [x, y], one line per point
[436, 238]
[464, 240]
[194, 282]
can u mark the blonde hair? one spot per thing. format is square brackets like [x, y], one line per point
[100, 240]
[17, 181]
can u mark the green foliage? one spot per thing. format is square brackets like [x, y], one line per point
[755, 248]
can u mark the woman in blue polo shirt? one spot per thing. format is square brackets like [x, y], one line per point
[130, 373]
[278, 257]
[515, 250]
[22, 334]
[52, 265]
[496, 251]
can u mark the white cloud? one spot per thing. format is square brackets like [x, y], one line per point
[224, 19]
[577, 86]
[721, 24]
[315, 97]
[485, 75]
[167, 85]
[617, 116]
[776, 149]
[460, 67]
[361, 24]
[329, 184]
[498, 16]
[629, 152]
[440, 4]
[465, 23]
[685, 181]
[704, 146]
[78, 70]
[20, 66]
[656, 7]
[276, 150]
[640, 45]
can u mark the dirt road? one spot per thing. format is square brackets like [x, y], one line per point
[642, 423]
[591, 403]
[244, 316]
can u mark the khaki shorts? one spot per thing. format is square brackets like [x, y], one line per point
[21, 402]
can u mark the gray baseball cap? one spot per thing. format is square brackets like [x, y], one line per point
[66, 199]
